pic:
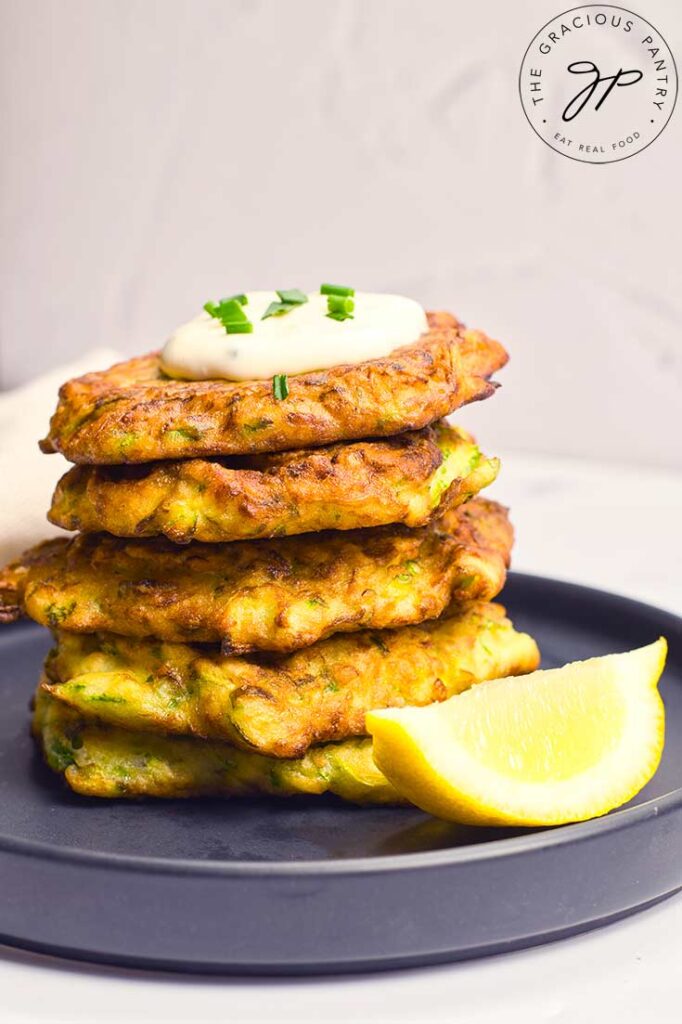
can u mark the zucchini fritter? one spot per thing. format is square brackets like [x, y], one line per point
[284, 706]
[97, 760]
[403, 479]
[133, 412]
[275, 595]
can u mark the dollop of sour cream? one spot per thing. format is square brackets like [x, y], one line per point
[296, 342]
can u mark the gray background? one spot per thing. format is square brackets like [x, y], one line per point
[156, 154]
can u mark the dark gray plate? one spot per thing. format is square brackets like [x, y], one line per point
[314, 885]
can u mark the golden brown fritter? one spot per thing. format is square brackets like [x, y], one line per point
[134, 413]
[404, 479]
[275, 595]
[97, 760]
[283, 706]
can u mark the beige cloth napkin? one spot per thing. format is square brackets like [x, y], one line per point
[29, 477]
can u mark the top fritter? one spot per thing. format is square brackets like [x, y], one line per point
[136, 412]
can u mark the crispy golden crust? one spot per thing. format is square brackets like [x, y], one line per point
[134, 413]
[275, 595]
[13, 577]
[403, 479]
[281, 707]
[98, 760]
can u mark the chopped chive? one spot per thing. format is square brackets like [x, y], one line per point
[235, 327]
[339, 308]
[276, 309]
[411, 569]
[280, 386]
[336, 289]
[292, 295]
[231, 314]
[231, 309]
[289, 299]
[340, 304]
[279, 308]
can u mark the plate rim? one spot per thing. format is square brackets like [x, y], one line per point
[508, 847]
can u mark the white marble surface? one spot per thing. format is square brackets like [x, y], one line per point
[157, 154]
[617, 527]
[609, 526]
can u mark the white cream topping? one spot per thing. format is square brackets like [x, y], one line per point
[304, 339]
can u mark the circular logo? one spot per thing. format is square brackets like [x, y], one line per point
[598, 83]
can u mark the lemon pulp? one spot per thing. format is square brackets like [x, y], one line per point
[551, 747]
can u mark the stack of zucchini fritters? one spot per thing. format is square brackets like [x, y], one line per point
[253, 574]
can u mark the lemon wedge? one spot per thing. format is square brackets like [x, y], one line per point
[551, 747]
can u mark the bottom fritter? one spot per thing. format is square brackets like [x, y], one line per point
[108, 725]
[282, 706]
[104, 761]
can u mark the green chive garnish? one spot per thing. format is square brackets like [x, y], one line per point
[231, 309]
[238, 327]
[280, 386]
[340, 304]
[336, 289]
[276, 309]
[292, 295]
[290, 298]
[337, 304]
[231, 314]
